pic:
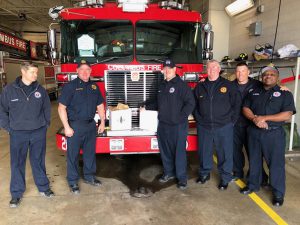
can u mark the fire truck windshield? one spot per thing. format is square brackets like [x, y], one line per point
[97, 41]
[157, 40]
[103, 41]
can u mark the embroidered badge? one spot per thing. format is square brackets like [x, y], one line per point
[250, 90]
[276, 94]
[223, 89]
[79, 89]
[172, 90]
[94, 87]
[255, 94]
[37, 94]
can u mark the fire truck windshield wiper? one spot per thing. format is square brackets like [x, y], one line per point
[152, 59]
[110, 59]
[114, 57]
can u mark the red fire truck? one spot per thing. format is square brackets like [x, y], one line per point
[125, 38]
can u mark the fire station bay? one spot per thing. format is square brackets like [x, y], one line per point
[137, 112]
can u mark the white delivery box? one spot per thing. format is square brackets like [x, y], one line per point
[148, 120]
[120, 119]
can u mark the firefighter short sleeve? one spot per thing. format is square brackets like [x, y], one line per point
[66, 95]
[247, 101]
[100, 99]
[288, 103]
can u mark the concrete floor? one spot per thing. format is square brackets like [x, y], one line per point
[113, 204]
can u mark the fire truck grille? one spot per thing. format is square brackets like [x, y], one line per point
[133, 90]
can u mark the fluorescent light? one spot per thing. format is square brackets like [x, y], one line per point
[238, 6]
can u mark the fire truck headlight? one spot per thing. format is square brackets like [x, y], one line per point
[191, 77]
[73, 76]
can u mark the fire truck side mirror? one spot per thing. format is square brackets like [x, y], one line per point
[208, 39]
[52, 43]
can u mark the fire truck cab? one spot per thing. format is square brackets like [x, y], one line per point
[124, 38]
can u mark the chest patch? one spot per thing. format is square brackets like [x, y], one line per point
[172, 89]
[250, 90]
[94, 87]
[37, 94]
[276, 94]
[79, 89]
[255, 94]
[223, 89]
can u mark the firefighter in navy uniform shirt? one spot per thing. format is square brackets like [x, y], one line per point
[175, 102]
[78, 103]
[217, 109]
[243, 83]
[25, 111]
[268, 107]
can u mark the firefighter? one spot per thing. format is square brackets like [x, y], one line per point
[268, 108]
[217, 109]
[175, 102]
[25, 113]
[78, 103]
[244, 84]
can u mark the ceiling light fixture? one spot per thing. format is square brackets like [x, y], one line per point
[238, 6]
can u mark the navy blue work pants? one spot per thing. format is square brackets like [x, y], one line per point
[84, 138]
[269, 144]
[20, 142]
[240, 141]
[172, 145]
[222, 140]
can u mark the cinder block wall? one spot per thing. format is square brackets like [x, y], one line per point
[288, 28]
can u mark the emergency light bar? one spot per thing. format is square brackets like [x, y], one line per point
[89, 3]
[171, 4]
[133, 5]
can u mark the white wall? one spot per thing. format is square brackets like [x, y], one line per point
[221, 24]
[288, 28]
[213, 11]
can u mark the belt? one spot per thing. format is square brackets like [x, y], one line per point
[273, 127]
[82, 121]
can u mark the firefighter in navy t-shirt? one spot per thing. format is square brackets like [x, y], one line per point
[78, 103]
[268, 108]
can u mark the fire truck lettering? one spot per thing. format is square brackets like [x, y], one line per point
[134, 67]
[154, 67]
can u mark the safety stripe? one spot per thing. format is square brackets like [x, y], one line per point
[268, 210]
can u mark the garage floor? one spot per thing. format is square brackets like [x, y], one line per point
[113, 203]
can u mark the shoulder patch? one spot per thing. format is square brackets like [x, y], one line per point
[37, 94]
[223, 89]
[276, 94]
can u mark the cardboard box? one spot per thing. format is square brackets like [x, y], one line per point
[120, 119]
[148, 120]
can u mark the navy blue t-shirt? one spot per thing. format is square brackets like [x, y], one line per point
[81, 99]
[269, 102]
